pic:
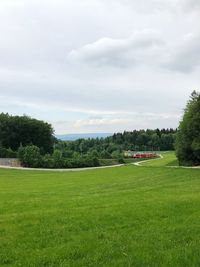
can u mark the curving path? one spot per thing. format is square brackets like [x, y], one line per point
[61, 170]
[139, 163]
[142, 163]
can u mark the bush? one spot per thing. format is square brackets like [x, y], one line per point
[7, 153]
[116, 154]
[48, 161]
[30, 156]
[10, 153]
[58, 159]
[105, 154]
[68, 153]
[93, 153]
[81, 162]
[121, 160]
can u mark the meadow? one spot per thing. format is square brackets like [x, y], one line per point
[120, 217]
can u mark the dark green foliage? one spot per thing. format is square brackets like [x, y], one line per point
[58, 159]
[81, 161]
[105, 154]
[116, 154]
[30, 156]
[47, 162]
[121, 160]
[7, 152]
[188, 137]
[16, 130]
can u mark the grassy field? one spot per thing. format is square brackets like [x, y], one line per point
[124, 216]
[168, 159]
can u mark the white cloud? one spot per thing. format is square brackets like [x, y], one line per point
[128, 64]
[117, 123]
[147, 48]
[119, 52]
[191, 4]
[184, 55]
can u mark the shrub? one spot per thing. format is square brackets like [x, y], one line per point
[58, 159]
[48, 161]
[30, 156]
[7, 153]
[116, 154]
[105, 154]
[121, 160]
[10, 153]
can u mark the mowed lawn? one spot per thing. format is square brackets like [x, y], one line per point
[124, 216]
[168, 158]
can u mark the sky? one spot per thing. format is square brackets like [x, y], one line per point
[89, 66]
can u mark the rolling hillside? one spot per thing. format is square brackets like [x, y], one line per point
[124, 216]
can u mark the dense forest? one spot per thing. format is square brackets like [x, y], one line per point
[143, 140]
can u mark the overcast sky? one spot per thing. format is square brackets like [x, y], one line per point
[99, 65]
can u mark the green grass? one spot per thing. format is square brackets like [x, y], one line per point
[132, 160]
[169, 159]
[120, 217]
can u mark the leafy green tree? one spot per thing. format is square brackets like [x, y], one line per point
[7, 153]
[58, 159]
[167, 141]
[105, 154]
[30, 156]
[116, 154]
[67, 153]
[93, 153]
[10, 153]
[121, 160]
[48, 161]
[155, 141]
[188, 136]
[16, 130]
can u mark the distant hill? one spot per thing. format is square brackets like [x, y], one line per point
[73, 137]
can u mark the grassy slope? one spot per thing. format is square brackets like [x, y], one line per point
[169, 159]
[125, 216]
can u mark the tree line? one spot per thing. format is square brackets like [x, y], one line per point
[113, 146]
[16, 131]
[188, 136]
[34, 143]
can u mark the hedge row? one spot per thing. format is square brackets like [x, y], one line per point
[30, 156]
